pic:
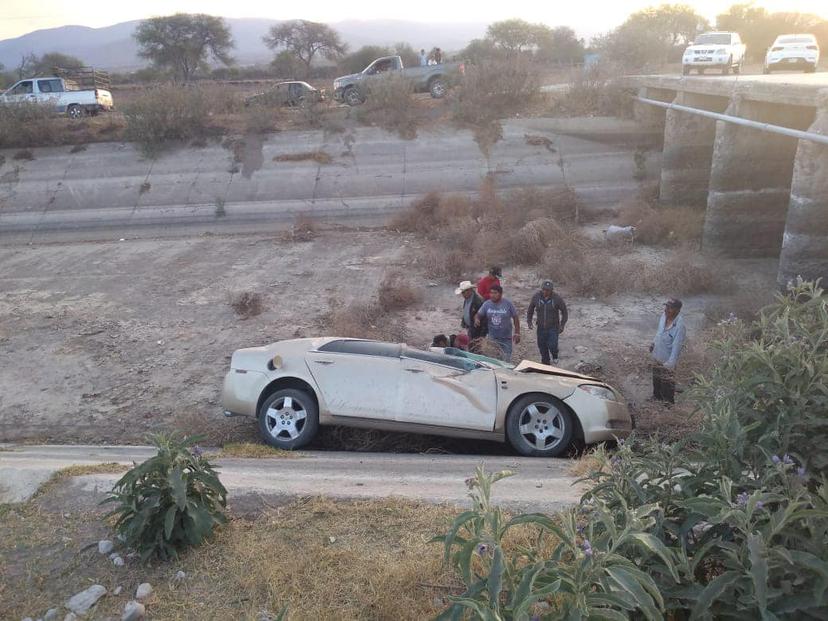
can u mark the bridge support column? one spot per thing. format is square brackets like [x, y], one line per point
[805, 243]
[750, 181]
[651, 116]
[688, 151]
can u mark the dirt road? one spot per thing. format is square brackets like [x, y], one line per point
[538, 485]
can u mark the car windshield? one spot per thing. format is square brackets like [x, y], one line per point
[795, 40]
[485, 360]
[713, 39]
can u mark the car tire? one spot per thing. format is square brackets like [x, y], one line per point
[539, 425]
[766, 70]
[288, 419]
[74, 111]
[727, 67]
[810, 69]
[437, 87]
[352, 97]
[685, 70]
[737, 69]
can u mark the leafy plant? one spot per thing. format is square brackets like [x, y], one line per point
[169, 502]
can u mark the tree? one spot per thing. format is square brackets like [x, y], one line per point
[46, 64]
[653, 35]
[758, 28]
[183, 42]
[514, 35]
[560, 45]
[26, 65]
[304, 40]
[364, 56]
[410, 56]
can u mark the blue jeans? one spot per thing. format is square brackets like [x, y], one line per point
[547, 343]
[505, 346]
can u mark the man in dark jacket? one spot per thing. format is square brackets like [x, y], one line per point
[552, 316]
[471, 304]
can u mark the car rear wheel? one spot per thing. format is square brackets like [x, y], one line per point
[727, 67]
[288, 419]
[437, 87]
[74, 111]
[539, 426]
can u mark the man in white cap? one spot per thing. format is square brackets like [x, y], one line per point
[471, 304]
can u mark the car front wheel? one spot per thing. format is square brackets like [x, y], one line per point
[539, 426]
[352, 96]
[288, 419]
[437, 88]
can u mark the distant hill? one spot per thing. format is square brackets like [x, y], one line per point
[113, 48]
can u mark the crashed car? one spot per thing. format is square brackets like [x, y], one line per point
[286, 94]
[292, 387]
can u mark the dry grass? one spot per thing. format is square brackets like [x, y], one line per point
[246, 304]
[254, 451]
[365, 320]
[661, 226]
[592, 91]
[323, 559]
[587, 463]
[76, 471]
[390, 104]
[320, 157]
[395, 294]
[304, 228]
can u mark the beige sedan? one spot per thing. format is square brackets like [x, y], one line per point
[292, 387]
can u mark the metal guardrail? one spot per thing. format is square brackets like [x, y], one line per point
[727, 118]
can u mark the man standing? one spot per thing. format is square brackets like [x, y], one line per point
[665, 349]
[471, 305]
[423, 58]
[552, 316]
[485, 284]
[500, 314]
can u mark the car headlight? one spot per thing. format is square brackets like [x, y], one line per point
[602, 392]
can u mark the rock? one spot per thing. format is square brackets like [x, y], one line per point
[144, 590]
[80, 603]
[118, 561]
[587, 368]
[51, 615]
[179, 576]
[118, 590]
[28, 619]
[70, 617]
[105, 546]
[580, 349]
[133, 611]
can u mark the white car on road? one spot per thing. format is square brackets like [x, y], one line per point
[796, 51]
[64, 95]
[292, 387]
[714, 50]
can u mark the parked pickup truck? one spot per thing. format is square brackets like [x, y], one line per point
[720, 50]
[64, 94]
[434, 79]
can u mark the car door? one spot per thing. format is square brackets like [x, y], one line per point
[358, 379]
[446, 391]
[22, 91]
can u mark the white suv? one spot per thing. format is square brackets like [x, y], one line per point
[793, 51]
[720, 50]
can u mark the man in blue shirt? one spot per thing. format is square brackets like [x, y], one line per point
[500, 315]
[666, 349]
[423, 58]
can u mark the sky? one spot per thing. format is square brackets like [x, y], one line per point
[17, 17]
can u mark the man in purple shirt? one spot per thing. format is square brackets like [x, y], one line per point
[500, 315]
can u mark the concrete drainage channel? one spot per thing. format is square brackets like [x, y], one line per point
[108, 191]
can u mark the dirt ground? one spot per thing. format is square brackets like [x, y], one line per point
[104, 342]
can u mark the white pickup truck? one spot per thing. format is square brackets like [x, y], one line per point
[720, 50]
[64, 94]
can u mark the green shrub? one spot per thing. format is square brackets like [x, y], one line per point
[728, 523]
[169, 502]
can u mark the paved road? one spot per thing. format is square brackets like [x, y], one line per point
[539, 485]
[111, 189]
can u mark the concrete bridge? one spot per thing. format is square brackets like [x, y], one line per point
[765, 189]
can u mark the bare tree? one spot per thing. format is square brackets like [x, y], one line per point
[304, 40]
[183, 42]
[26, 66]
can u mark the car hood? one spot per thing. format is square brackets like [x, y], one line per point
[706, 47]
[527, 366]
